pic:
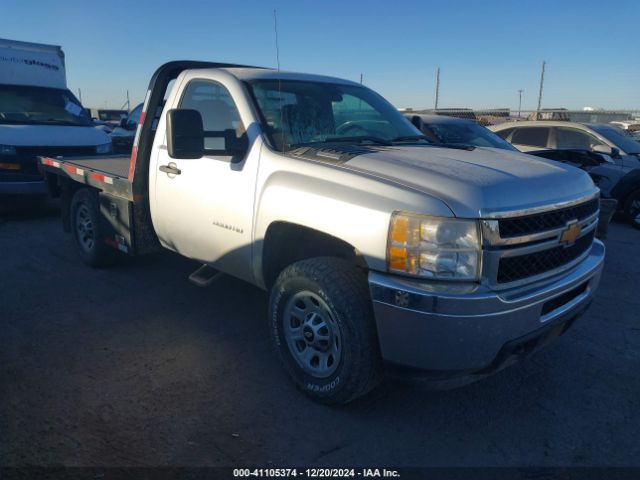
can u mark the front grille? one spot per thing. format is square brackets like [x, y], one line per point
[511, 269]
[540, 222]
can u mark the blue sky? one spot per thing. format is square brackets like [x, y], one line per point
[486, 49]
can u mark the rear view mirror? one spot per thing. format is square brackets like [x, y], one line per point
[607, 150]
[185, 135]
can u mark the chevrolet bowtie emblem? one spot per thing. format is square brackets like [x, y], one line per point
[570, 235]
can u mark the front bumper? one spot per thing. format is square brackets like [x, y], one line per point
[460, 329]
[34, 186]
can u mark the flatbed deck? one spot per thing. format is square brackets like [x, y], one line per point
[112, 165]
[109, 173]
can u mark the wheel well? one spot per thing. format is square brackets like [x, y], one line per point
[629, 184]
[287, 243]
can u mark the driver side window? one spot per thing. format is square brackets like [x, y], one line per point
[218, 111]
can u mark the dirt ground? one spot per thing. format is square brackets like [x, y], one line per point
[135, 366]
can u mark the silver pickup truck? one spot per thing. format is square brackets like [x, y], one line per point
[379, 249]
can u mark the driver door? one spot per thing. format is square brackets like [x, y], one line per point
[205, 211]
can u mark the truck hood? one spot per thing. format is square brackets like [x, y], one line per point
[51, 136]
[478, 182]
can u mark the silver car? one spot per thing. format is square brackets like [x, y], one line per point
[617, 176]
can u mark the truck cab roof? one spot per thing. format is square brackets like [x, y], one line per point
[255, 73]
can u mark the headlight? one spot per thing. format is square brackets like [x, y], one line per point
[7, 150]
[434, 247]
[104, 148]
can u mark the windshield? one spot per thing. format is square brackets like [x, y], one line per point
[299, 113]
[620, 139]
[467, 133]
[26, 105]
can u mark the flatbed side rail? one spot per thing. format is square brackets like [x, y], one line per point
[108, 183]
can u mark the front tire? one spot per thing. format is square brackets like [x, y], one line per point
[89, 230]
[632, 208]
[322, 327]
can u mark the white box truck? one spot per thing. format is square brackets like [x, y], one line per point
[38, 116]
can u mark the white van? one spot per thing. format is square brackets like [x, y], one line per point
[39, 116]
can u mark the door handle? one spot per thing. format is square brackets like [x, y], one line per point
[170, 169]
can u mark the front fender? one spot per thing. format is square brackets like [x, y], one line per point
[350, 206]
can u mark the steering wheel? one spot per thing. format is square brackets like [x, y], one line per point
[352, 128]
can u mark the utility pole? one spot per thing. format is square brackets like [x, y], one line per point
[520, 101]
[360, 79]
[540, 94]
[437, 87]
[80, 96]
[128, 102]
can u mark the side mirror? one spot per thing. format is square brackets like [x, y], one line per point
[417, 122]
[612, 151]
[235, 146]
[185, 135]
[123, 122]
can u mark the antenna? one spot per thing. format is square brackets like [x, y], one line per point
[275, 28]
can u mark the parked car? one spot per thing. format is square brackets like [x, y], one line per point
[374, 244]
[631, 127]
[452, 130]
[38, 116]
[122, 136]
[455, 131]
[615, 170]
[107, 115]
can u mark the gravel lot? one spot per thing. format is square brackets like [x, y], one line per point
[134, 366]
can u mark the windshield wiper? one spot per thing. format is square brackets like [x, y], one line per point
[54, 121]
[358, 139]
[408, 138]
[354, 139]
[458, 146]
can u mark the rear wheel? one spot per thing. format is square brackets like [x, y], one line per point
[632, 208]
[323, 330]
[89, 230]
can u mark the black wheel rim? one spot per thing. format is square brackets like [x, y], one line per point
[84, 228]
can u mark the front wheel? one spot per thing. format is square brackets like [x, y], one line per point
[632, 208]
[322, 326]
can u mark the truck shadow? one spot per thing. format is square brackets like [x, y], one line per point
[14, 208]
